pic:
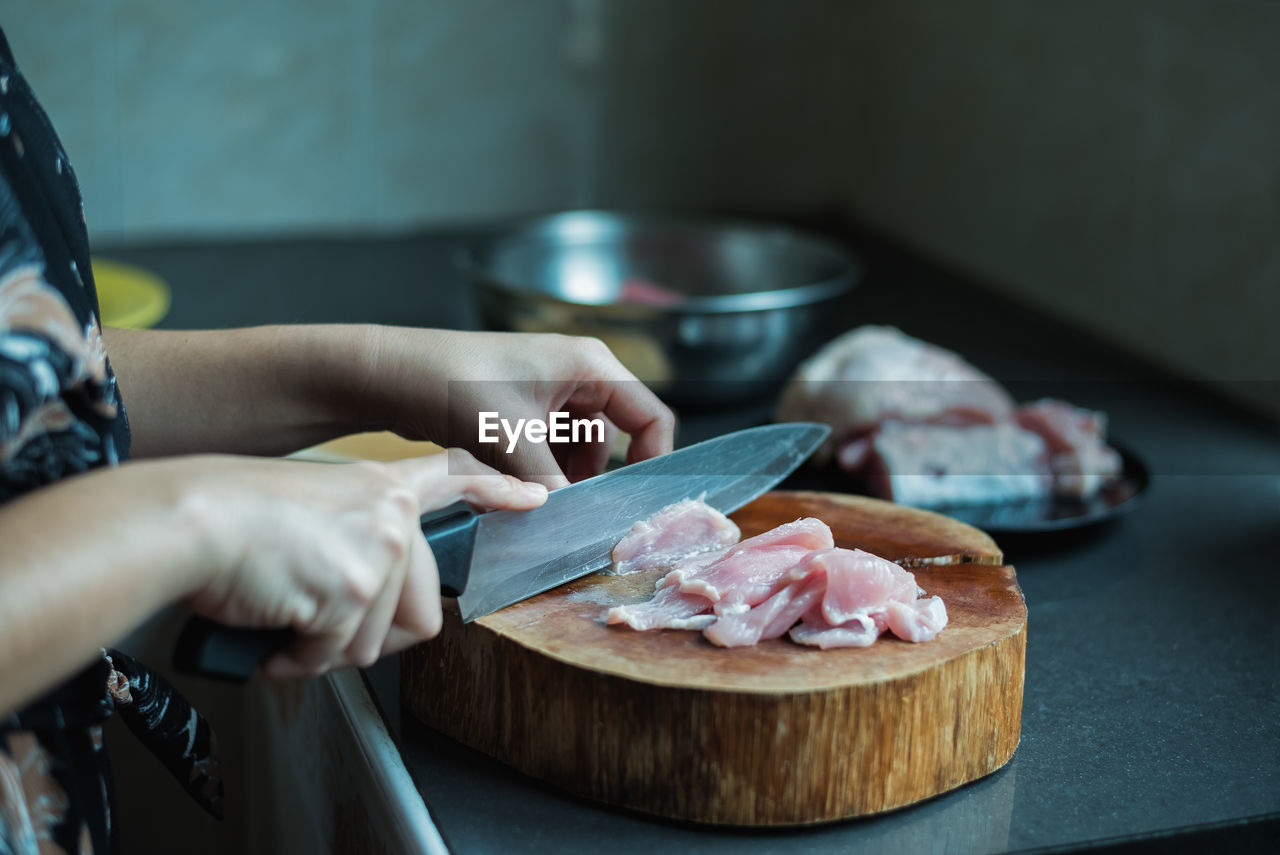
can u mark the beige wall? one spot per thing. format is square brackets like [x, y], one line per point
[1113, 161]
[1118, 163]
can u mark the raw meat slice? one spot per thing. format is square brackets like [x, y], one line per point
[933, 466]
[857, 592]
[670, 608]
[760, 588]
[749, 572]
[862, 631]
[1081, 461]
[874, 373]
[740, 579]
[771, 618]
[857, 581]
[920, 620]
[686, 528]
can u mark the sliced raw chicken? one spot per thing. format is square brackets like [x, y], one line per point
[862, 631]
[849, 590]
[1081, 461]
[771, 618]
[740, 579]
[749, 571]
[857, 581]
[760, 588]
[730, 579]
[670, 608]
[689, 527]
[920, 620]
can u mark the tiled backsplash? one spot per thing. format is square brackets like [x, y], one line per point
[1115, 162]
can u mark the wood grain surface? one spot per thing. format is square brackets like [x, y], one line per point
[667, 723]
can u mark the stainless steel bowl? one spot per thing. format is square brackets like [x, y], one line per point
[706, 311]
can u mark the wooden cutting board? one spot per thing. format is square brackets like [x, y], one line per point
[778, 734]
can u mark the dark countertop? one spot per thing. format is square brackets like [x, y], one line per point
[1151, 715]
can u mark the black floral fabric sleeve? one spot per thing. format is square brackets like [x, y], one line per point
[61, 414]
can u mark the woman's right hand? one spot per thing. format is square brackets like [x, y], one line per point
[335, 552]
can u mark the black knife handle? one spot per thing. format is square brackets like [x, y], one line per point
[206, 648]
[452, 537]
[209, 649]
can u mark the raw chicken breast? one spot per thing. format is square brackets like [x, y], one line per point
[730, 579]
[1081, 461]
[688, 527]
[874, 373]
[671, 608]
[857, 581]
[920, 620]
[933, 466]
[769, 619]
[862, 631]
[846, 598]
[759, 589]
[749, 571]
[740, 579]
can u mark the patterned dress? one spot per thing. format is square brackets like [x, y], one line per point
[60, 414]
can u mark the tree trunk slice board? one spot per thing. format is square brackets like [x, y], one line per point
[664, 722]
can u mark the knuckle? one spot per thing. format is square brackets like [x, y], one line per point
[364, 655]
[395, 542]
[362, 587]
[462, 462]
[403, 503]
[594, 346]
[431, 625]
[424, 624]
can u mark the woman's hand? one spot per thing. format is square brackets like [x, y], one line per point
[272, 390]
[336, 552]
[333, 551]
[431, 384]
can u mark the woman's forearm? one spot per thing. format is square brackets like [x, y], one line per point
[259, 390]
[85, 561]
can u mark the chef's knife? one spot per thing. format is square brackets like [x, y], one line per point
[491, 560]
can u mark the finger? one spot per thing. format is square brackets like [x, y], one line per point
[310, 654]
[352, 586]
[417, 616]
[401, 639]
[633, 408]
[366, 645]
[588, 459]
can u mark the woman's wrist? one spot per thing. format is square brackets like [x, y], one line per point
[326, 369]
[396, 379]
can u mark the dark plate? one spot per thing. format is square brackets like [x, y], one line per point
[1052, 515]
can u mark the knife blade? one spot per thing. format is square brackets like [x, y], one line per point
[492, 560]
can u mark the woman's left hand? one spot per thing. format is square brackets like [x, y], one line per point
[431, 384]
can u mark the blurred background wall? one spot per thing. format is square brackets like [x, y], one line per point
[1115, 162]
